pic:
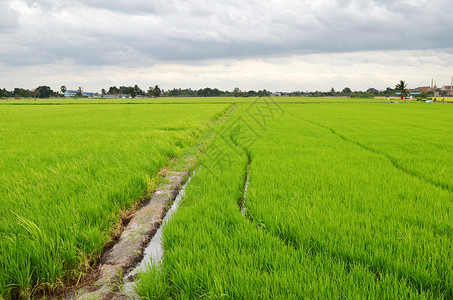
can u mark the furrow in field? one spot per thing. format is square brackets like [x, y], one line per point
[358, 230]
[316, 248]
[390, 158]
[320, 223]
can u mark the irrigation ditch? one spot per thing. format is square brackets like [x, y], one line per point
[154, 251]
[130, 249]
[138, 241]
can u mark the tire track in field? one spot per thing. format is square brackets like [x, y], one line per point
[419, 283]
[390, 158]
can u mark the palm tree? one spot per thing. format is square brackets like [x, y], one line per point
[63, 89]
[157, 91]
[401, 88]
[137, 89]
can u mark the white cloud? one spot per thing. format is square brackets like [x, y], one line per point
[357, 70]
[137, 35]
[8, 17]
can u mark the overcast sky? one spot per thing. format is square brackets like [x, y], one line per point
[281, 45]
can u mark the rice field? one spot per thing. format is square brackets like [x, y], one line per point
[289, 201]
[66, 174]
[341, 201]
[184, 100]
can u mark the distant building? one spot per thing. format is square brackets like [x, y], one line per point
[436, 90]
[70, 93]
[73, 93]
[110, 96]
[448, 89]
[432, 88]
[88, 94]
[423, 89]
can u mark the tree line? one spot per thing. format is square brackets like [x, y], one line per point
[39, 92]
[156, 91]
[346, 92]
[132, 91]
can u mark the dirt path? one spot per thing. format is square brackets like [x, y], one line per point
[107, 279]
[128, 251]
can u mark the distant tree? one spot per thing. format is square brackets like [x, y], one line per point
[424, 95]
[114, 90]
[263, 93]
[125, 90]
[16, 92]
[372, 91]
[132, 91]
[346, 91]
[207, 92]
[43, 92]
[252, 93]
[402, 88]
[4, 93]
[79, 92]
[20, 93]
[103, 91]
[150, 92]
[157, 91]
[332, 92]
[63, 89]
[216, 92]
[138, 91]
[236, 92]
[25, 93]
[361, 95]
[389, 92]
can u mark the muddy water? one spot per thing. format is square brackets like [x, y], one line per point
[154, 252]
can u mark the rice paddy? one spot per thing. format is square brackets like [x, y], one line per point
[342, 201]
[66, 174]
[339, 200]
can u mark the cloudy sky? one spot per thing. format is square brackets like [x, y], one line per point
[280, 45]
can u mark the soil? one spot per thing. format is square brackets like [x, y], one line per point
[134, 231]
[128, 251]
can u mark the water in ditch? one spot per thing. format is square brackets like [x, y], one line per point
[154, 252]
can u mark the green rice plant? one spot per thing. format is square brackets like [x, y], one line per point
[329, 192]
[188, 100]
[66, 174]
[325, 218]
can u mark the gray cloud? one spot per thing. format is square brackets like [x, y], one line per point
[134, 32]
[8, 17]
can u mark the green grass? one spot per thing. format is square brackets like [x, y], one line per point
[185, 100]
[351, 198]
[344, 201]
[67, 172]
